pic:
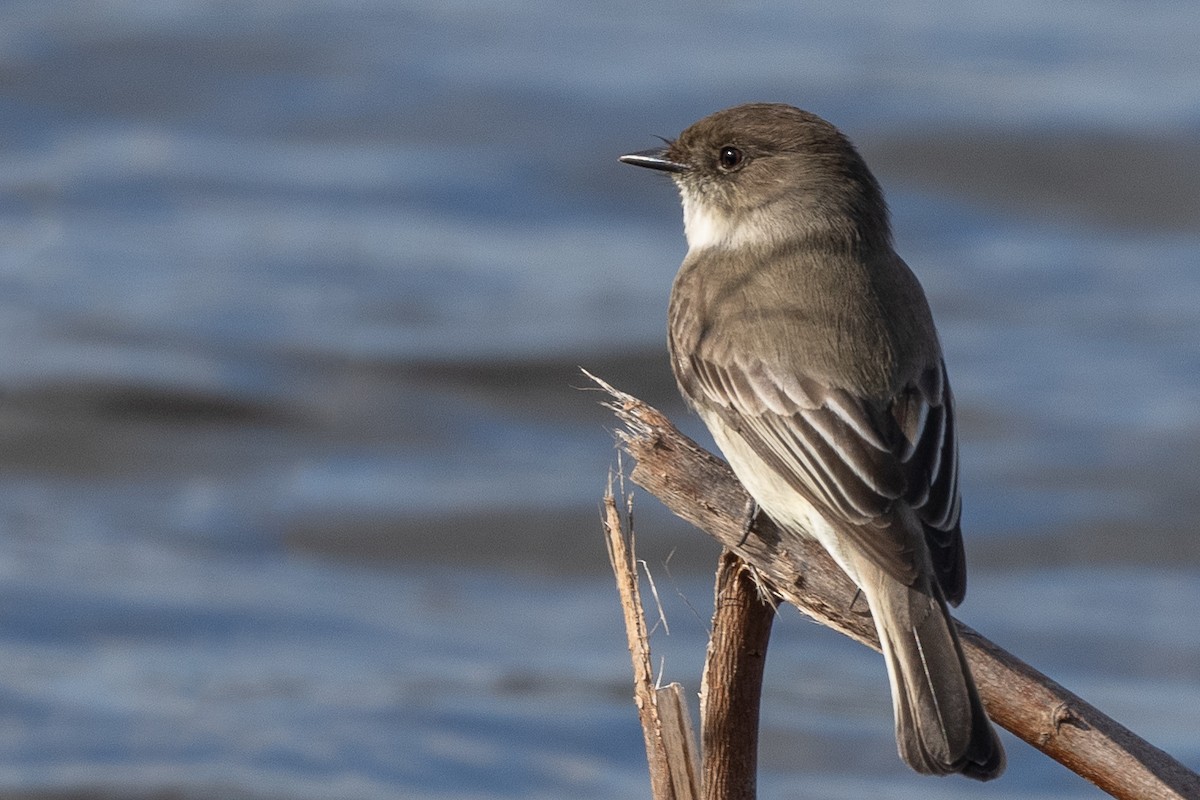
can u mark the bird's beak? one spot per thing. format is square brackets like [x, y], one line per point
[654, 159]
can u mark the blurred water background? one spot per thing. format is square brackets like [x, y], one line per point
[297, 496]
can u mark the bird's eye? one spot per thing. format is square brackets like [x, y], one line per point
[730, 158]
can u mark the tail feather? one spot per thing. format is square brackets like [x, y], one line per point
[941, 726]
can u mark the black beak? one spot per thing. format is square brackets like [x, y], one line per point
[654, 159]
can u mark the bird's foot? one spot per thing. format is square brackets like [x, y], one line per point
[858, 603]
[749, 519]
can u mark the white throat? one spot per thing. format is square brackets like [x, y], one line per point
[705, 229]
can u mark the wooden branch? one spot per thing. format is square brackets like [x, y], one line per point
[731, 691]
[701, 489]
[666, 728]
[679, 741]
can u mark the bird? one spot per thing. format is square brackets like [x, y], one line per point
[808, 348]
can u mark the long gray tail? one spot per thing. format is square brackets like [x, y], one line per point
[941, 727]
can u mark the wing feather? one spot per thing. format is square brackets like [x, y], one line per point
[853, 458]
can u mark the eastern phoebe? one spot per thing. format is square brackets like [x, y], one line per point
[807, 347]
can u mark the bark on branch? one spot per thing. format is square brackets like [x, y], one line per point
[700, 488]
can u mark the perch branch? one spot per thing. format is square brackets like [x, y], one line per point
[701, 489]
[731, 692]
